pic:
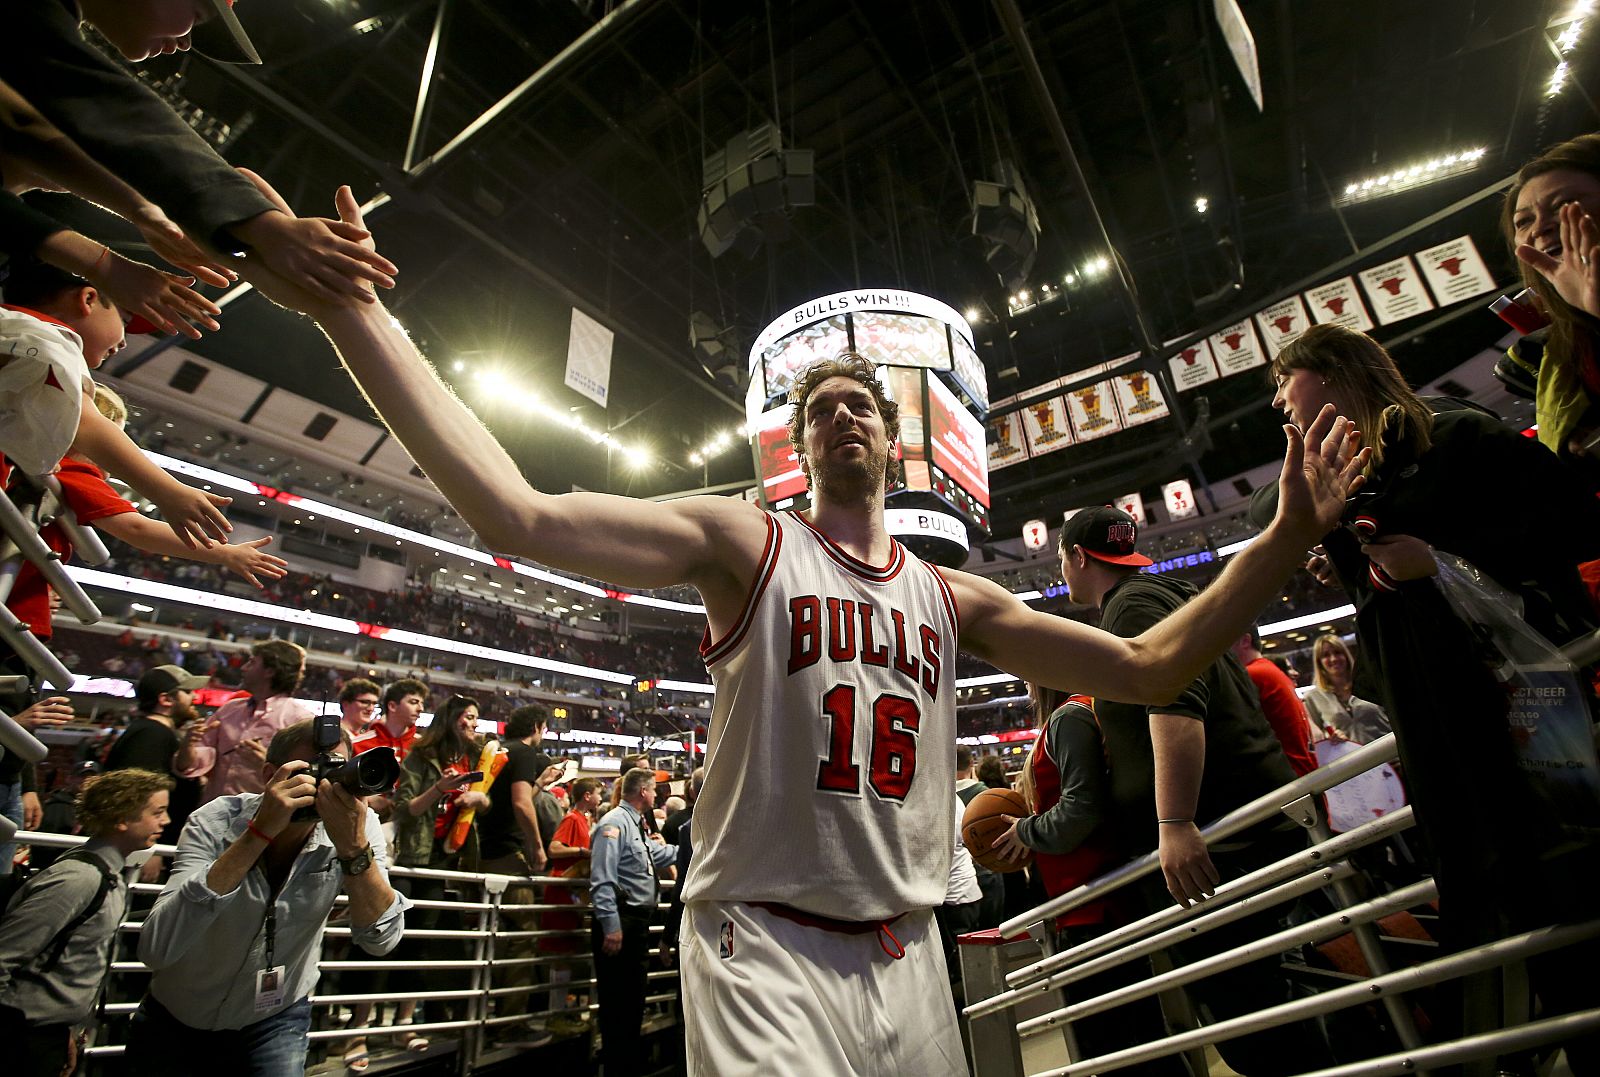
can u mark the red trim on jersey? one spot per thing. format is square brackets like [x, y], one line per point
[897, 556]
[950, 608]
[711, 653]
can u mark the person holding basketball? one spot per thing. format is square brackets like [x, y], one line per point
[808, 942]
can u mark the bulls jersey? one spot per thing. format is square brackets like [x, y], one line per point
[832, 740]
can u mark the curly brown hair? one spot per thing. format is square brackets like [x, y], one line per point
[108, 799]
[844, 365]
[285, 660]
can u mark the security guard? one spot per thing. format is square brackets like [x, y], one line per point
[622, 886]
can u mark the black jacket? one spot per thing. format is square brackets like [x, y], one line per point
[121, 123]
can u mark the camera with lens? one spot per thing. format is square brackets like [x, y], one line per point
[369, 773]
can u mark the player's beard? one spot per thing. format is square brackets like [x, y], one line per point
[850, 480]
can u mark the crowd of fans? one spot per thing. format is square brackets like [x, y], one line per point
[262, 836]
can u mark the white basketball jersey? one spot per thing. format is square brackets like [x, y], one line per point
[832, 741]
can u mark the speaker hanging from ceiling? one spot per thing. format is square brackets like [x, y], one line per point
[749, 188]
[1004, 217]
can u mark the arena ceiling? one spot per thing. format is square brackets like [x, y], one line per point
[536, 156]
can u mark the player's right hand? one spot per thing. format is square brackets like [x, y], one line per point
[612, 943]
[330, 261]
[290, 789]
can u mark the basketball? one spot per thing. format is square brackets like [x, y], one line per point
[983, 822]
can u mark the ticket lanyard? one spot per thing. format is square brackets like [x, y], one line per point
[270, 927]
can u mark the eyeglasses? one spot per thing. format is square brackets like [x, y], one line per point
[368, 702]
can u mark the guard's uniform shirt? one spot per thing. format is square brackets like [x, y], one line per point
[622, 865]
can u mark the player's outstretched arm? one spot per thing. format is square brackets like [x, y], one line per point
[1154, 666]
[705, 541]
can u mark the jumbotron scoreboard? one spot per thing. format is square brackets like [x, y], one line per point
[927, 362]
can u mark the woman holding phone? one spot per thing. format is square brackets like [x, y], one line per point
[431, 793]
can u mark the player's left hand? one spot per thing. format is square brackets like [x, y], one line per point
[1009, 845]
[1403, 557]
[1321, 469]
[612, 943]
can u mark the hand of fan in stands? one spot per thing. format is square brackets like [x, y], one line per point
[54, 710]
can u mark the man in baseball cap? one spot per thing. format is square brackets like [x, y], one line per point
[1179, 765]
[165, 680]
[1106, 534]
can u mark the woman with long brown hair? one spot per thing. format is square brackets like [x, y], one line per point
[1450, 478]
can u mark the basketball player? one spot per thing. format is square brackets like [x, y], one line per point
[808, 944]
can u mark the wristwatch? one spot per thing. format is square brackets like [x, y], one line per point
[355, 865]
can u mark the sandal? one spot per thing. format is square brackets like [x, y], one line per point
[416, 1041]
[356, 1059]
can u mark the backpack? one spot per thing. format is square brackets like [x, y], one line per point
[12, 886]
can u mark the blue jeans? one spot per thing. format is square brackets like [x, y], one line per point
[159, 1045]
[11, 807]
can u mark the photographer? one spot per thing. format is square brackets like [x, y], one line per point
[233, 950]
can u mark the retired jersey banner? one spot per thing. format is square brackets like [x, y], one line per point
[1282, 322]
[589, 358]
[1179, 496]
[1193, 366]
[1094, 411]
[1005, 441]
[1338, 303]
[1237, 349]
[1035, 535]
[1133, 505]
[1455, 271]
[1395, 290]
[1046, 426]
[1139, 398]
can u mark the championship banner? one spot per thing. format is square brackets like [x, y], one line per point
[1395, 290]
[1046, 426]
[1094, 411]
[1282, 322]
[1338, 303]
[1193, 366]
[1455, 271]
[1139, 398]
[589, 358]
[1006, 444]
[1179, 496]
[1133, 505]
[1236, 348]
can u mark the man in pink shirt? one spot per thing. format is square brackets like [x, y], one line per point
[228, 750]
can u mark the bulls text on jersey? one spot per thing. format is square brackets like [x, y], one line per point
[849, 630]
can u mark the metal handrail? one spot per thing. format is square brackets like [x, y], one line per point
[482, 964]
[1382, 750]
[1309, 859]
[1464, 963]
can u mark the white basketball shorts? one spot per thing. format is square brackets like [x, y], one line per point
[763, 995]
